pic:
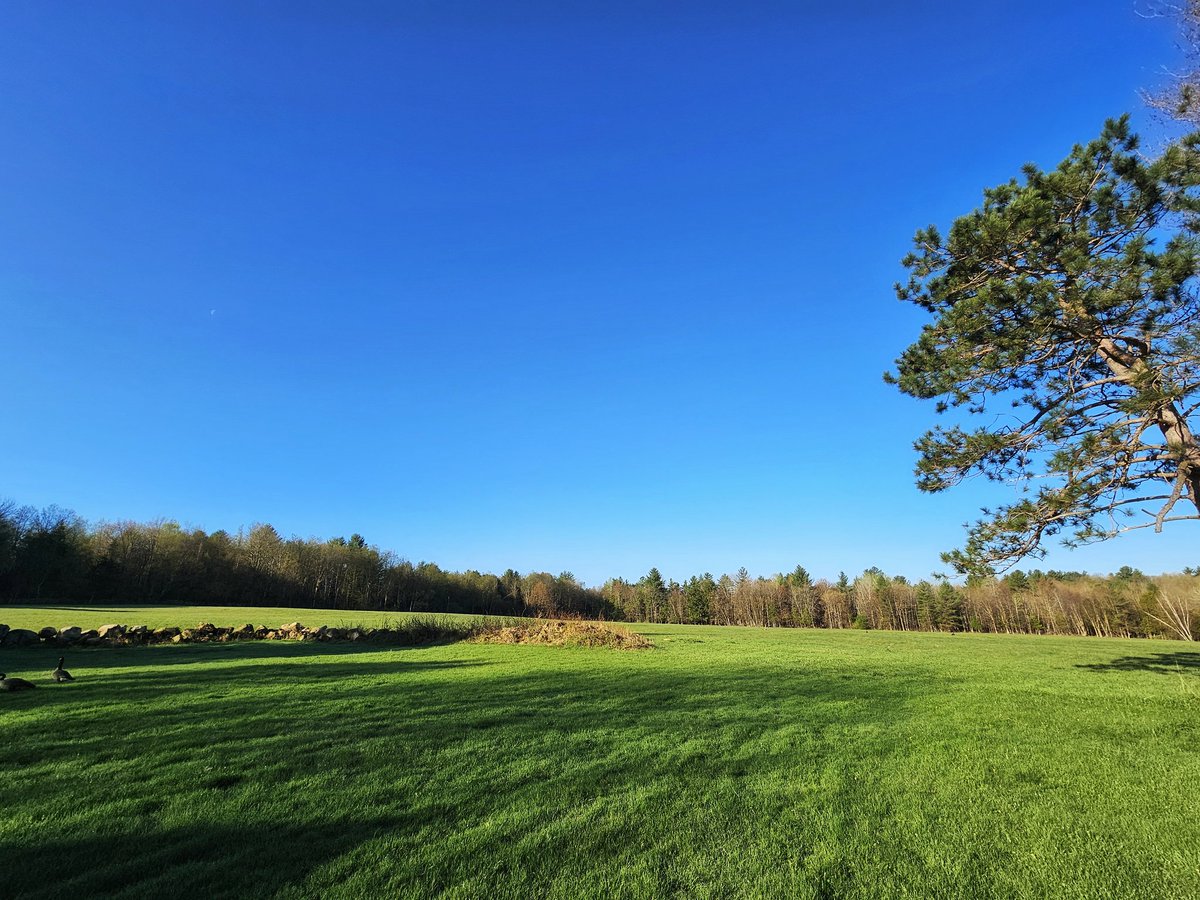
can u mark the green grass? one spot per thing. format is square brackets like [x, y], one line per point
[724, 763]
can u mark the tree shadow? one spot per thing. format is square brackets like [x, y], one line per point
[1175, 663]
[421, 775]
[206, 860]
[81, 659]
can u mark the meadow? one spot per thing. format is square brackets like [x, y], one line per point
[726, 762]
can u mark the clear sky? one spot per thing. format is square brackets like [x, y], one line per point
[593, 286]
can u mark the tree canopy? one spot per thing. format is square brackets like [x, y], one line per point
[1065, 322]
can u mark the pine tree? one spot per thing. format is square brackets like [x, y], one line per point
[1064, 317]
[926, 607]
[949, 608]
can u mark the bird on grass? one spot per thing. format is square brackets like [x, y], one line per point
[60, 674]
[14, 684]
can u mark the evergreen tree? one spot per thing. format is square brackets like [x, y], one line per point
[949, 608]
[926, 607]
[698, 594]
[1065, 300]
[652, 593]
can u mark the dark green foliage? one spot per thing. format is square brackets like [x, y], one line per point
[805, 599]
[698, 594]
[948, 606]
[1017, 580]
[652, 596]
[1064, 317]
[927, 608]
[52, 554]
[163, 563]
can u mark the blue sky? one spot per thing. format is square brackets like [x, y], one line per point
[598, 289]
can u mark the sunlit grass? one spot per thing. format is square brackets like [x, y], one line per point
[723, 763]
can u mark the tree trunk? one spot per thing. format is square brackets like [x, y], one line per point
[1170, 421]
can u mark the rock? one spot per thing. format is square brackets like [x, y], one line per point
[70, 635]
[165, 634]
[3, 631]
[20, 637]
[111, 632]
[291, 627]
[177, 638]
[206, 628]
[48, 633]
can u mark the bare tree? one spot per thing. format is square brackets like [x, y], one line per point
[1179, 97]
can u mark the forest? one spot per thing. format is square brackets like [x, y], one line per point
[52, 554]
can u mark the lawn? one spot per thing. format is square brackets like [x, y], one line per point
[727, 762]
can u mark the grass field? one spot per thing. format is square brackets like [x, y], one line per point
[725, 763]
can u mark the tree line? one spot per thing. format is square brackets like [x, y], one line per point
[53, 554]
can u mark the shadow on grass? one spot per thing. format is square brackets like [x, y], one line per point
[201, 861]
[82, 659]
[1164, 663]
[288, 764]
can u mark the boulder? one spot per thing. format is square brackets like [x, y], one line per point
[3, 631]
[165, 634]
[111, 632]
[20, 637]
[70, 635]
[48, 633]
[291, 627]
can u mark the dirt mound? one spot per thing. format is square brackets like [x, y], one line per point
[565, 634]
